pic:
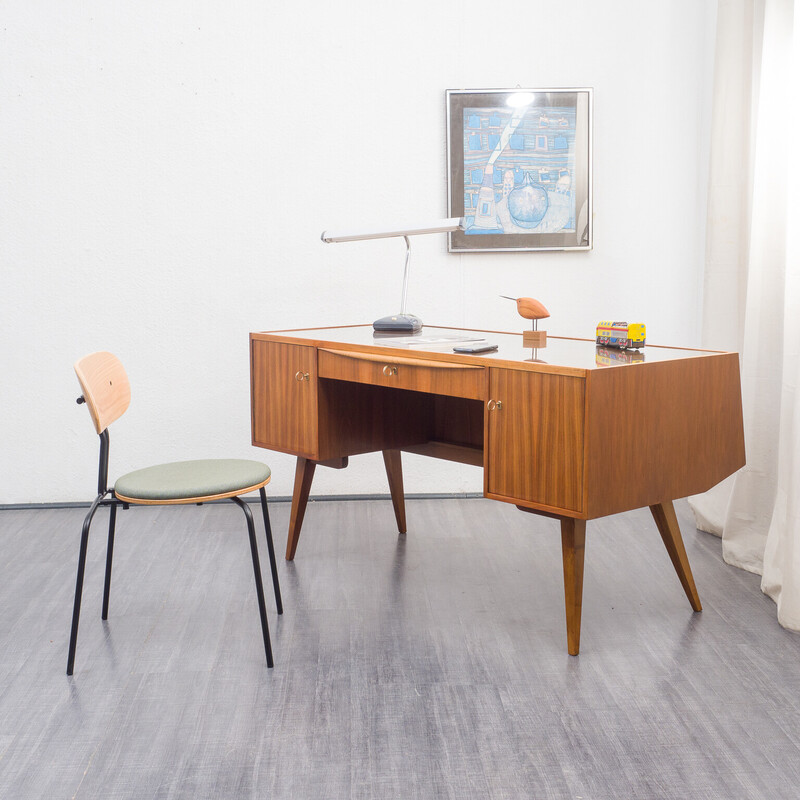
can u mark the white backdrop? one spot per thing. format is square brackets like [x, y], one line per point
[167, 168]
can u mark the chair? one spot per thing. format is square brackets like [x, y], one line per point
[106, 392]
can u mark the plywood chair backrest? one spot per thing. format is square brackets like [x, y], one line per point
[105, 387]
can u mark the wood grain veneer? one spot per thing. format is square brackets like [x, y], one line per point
[283, 408]
[656, 432]
[392, 460]
[359, 418]
[573, 546]
[105, 386]
[458, 420]
[303, 476]
[534, 449]
[667, 524]
[454, 380]
[447, 451]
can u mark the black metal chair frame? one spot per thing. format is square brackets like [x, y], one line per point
[106, 497]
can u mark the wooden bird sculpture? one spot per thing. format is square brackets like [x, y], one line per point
[529, 308]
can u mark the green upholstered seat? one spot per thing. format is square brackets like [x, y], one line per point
[183, 480]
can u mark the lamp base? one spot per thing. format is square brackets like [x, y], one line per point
[406, 323]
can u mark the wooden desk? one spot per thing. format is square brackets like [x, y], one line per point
[570, 431]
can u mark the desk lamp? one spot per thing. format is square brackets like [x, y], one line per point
[402, 322]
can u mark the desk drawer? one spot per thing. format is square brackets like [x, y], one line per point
[433, 377]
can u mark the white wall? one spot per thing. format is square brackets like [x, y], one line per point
[167, 168]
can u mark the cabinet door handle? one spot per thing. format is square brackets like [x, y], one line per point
[495, 404]
[389, 370]
[301, 376]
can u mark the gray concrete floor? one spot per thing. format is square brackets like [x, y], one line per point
[431, 665]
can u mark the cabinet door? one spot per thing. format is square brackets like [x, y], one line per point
[535, 427]
[284, 397]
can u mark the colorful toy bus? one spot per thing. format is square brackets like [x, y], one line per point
[621, 334]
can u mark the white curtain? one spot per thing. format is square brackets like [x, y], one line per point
[752, 288]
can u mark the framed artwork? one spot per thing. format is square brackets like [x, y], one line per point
[519, 169]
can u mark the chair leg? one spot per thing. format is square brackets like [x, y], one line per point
[76, 610]
[112, 521]
[262, 608]
[270, 547]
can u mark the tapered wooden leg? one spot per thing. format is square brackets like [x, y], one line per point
[667, 522]
[303, 476]
[394, 472]
[573, 539]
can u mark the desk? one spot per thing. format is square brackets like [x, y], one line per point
[570, 431]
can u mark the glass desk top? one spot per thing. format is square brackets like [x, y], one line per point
[579, 354]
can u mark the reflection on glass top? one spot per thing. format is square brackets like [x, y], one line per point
[611, 356]
[570, 353]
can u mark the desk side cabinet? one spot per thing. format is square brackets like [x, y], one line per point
[534, 439]
[284, 398]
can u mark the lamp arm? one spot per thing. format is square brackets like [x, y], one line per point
[405, 276]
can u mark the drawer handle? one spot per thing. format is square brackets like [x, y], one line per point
[495, 404]
[389, 370]
[301, 376]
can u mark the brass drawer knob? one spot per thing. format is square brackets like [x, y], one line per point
[494, 404]
[301, 376]
[389, 370]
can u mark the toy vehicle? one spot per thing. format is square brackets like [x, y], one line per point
[620, 334]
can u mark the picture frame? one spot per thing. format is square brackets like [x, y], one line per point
[519, 169]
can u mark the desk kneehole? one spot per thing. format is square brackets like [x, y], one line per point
[433, 377]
